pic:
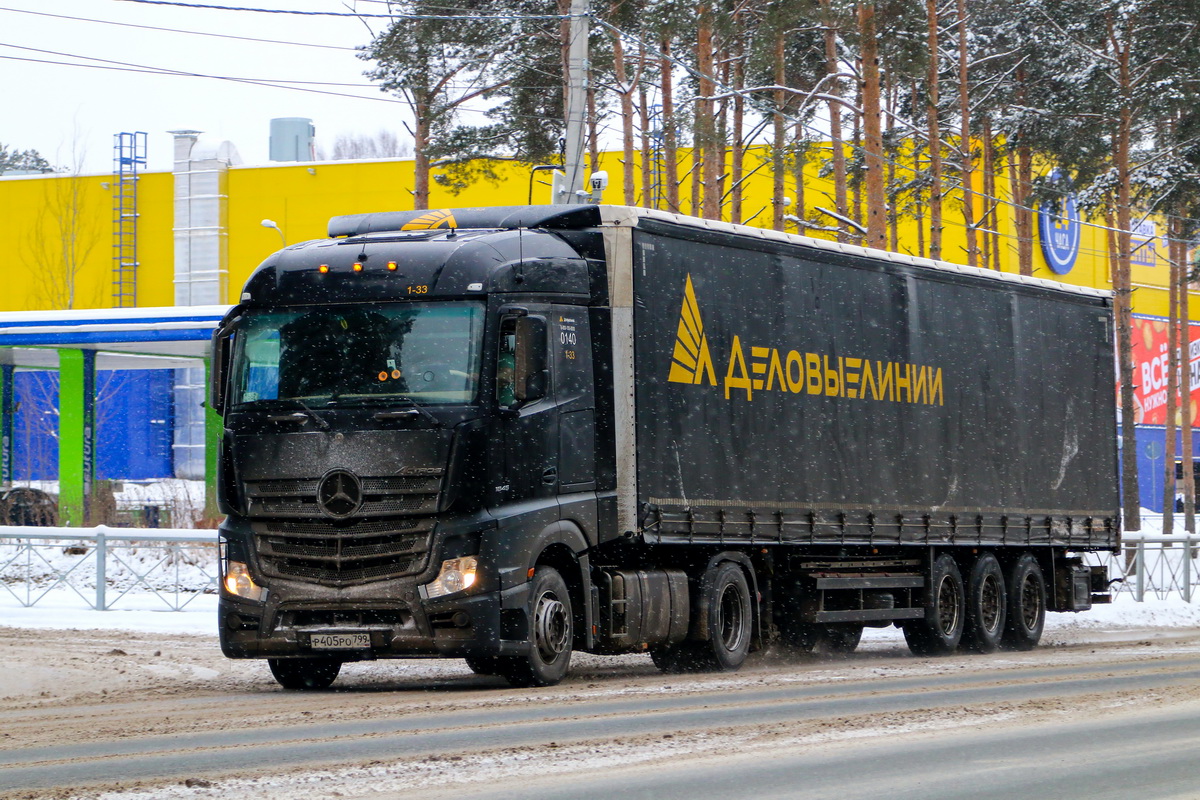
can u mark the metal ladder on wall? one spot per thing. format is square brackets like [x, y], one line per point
[129, 152]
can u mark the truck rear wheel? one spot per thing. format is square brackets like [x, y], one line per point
[305, 674]
[726, 604]
[987, 602]
[940, 631]
[1026, 604]
[550, 635]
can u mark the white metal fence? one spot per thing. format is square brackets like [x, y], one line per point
[1158, 567]
[104, 565]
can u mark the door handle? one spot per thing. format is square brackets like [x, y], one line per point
[550, 476]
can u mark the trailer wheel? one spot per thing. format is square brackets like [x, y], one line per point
[940, 631]
[986, 606]
[305, 674]
[726, 604]
[1026, 604]
[550, 635]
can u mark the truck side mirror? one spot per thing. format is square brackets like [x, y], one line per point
[217, 372]
[532, 376]
[219, 365]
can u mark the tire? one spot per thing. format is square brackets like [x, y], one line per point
[305, 674]
[483, 665]
[681, 657]
[941, 629]
[1026, 604]
[726, 604]
[840, 640]
[987, 606]
[551, 636]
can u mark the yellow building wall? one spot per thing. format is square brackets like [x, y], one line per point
[60, 252]
[55, 220]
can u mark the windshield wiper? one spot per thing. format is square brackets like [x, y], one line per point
[298, 416]
[416, 407]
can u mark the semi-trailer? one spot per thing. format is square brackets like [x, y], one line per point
[505, 434]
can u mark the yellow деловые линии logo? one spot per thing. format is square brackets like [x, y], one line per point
[770, 369]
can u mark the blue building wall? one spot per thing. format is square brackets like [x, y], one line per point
[1151, 444]
[134, 420]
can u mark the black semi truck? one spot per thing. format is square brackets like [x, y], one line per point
[504, 434]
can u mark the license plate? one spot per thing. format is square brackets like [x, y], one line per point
[339, 641]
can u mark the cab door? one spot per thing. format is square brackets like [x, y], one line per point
[525, 396]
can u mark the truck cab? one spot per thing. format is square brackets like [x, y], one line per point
[409, 436]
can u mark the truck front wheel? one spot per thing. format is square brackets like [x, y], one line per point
[305, 674]
[1026, 604]
[941, 629]
[550, 634]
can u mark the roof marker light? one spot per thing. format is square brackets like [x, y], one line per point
[358, 266]
[323, 269]
[391, 266]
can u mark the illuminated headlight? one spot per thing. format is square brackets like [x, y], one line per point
[238, 582]
[456, 575]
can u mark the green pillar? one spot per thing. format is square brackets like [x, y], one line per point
[7, 408]
[76, 422]
[214, 426]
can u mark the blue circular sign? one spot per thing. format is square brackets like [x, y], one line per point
[1060, 232]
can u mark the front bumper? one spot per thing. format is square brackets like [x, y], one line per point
[486, 623]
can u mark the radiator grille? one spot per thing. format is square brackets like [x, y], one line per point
[337, 555]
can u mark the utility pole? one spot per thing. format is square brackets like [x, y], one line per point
[576, 110]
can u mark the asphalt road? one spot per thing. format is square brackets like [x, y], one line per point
[1115, 719]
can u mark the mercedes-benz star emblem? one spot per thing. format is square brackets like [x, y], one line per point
[340, 494]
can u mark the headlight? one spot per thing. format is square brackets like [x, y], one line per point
[238, 582]
[456, 575]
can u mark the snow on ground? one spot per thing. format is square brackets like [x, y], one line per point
[62, 609]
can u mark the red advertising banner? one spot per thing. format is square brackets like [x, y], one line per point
[1150, 371]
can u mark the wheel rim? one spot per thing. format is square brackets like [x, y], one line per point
[551, 628]
[948, 603]
[1031, 603]
[732, 624]
[989, 604]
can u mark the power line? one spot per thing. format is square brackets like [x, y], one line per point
[353, 14]
[175, 74]
[177, 30]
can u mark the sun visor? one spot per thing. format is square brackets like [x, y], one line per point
[495, 217]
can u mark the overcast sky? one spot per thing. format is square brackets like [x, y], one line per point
[55, 108]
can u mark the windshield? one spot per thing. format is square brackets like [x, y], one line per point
[428, 352]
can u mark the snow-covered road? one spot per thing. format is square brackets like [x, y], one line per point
[138, 703]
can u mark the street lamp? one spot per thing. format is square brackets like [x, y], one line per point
[270, 223]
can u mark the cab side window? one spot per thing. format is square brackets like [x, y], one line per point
[506, 365]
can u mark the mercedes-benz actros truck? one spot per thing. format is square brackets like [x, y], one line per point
[506, 434]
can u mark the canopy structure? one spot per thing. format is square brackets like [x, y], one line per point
[77, 344]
